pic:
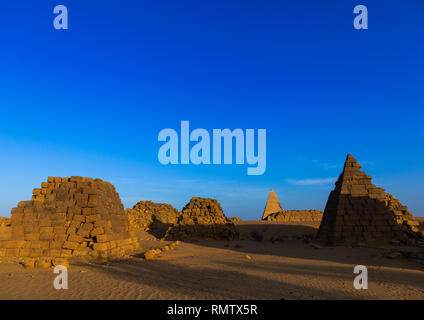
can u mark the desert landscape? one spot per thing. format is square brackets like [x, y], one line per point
[212, 158]
[154, 251]
[290, 268]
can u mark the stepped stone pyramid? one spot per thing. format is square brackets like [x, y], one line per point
[69, 217]
[152, 216]
[202, 218]
[357, 211]
[272, 205]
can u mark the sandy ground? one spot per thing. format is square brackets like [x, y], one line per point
[286, 269]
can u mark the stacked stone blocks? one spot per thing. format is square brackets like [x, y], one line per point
[202, 218]
[152, 216]
[69, 217]
[358, 211]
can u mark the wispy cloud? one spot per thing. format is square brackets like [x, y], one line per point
[326, 165]
[311, 182]
[320, 163]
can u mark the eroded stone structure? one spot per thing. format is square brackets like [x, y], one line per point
[153, 217]
[295, 216]
[274, 212]
[202, 218]
[69, 217]
[357, 211]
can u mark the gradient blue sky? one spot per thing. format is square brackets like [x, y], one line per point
[91, 100]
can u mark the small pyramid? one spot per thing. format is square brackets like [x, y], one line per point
[153, 217]
[272, 205]
[357, 211]
[202, 218]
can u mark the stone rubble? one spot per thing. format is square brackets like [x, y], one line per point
[295, 216]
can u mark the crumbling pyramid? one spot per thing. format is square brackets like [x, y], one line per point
[4, 221]
[202, 218]
[69, 217]
[152, 216]
[272, 205]
[357, 211]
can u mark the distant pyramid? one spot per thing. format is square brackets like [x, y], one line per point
[272, 205]
[358, 211]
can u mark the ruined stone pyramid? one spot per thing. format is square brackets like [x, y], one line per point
[272, 205]
[202, 218]
[357, 211]
[69, 217]
[152, 216]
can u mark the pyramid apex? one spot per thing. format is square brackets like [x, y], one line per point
[350, 157]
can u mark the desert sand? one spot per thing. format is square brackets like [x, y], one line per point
[283, 265]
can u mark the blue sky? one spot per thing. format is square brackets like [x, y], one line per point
[91, 100]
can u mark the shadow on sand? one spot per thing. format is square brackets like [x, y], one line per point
[225, 282]
[293, 240]
[283, 269]
[229, 276]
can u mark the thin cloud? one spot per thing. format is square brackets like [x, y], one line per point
[311, 182]
[322, 164]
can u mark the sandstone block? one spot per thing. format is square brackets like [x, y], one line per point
[101, 246]
[70, 245]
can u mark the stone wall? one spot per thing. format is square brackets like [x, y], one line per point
[295, 216]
